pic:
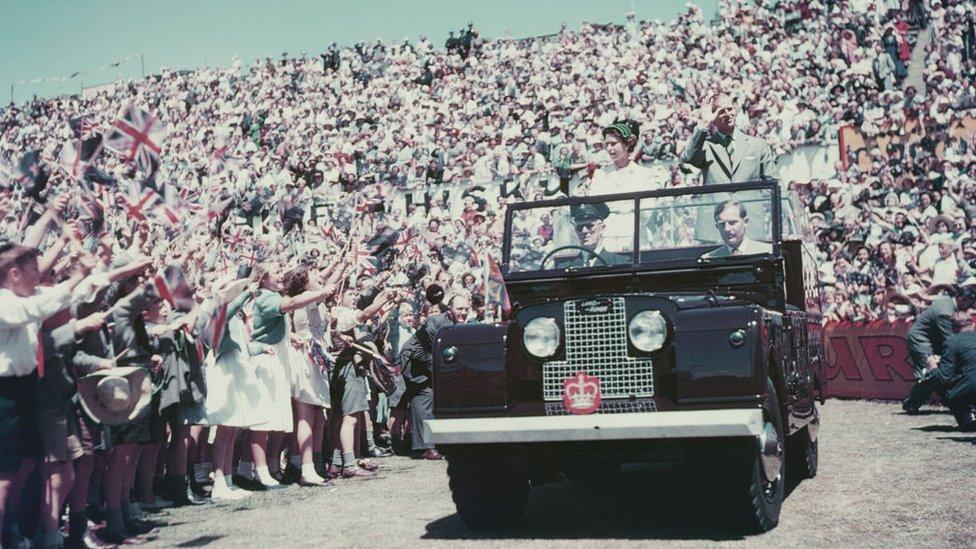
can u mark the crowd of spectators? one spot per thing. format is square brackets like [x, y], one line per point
[895, 226]
[292, 165]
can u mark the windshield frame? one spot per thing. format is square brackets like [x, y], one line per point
[772, 185]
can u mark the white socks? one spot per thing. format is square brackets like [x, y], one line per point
[223, 482]
[223, 489]
[264, 476]
[308, 471]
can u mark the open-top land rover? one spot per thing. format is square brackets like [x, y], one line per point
[672, 325]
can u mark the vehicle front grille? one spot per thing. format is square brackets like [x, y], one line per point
[608, 407]
[596, 343]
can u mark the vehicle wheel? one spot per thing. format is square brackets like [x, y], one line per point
[803, 458]
[755, 484]
[488, 495]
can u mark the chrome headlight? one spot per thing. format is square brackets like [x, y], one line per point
[648, 330]
[541, 337]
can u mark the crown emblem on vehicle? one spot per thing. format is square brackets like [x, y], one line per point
[581, 393]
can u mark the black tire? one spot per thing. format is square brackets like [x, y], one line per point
[753, 501]
[488, 495]
[803, 457]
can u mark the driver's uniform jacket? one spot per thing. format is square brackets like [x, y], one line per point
[589, 260]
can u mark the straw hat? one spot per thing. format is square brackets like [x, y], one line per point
[115, 396]
[936, 219]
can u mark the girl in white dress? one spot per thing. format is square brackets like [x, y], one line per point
[270, 347]
[233, 391]
[309, 385]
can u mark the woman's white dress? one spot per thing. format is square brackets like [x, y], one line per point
[234, 393]
[274, 373]
[308, 383]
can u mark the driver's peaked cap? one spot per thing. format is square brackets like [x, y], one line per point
[591, 211]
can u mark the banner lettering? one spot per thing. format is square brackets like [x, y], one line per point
[868, 360]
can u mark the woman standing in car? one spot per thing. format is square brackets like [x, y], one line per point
[622, 175]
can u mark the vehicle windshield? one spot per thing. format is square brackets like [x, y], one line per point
[702, 225]
[578, 236]
[707, 226]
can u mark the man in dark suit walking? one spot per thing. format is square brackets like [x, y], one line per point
[721, 151]
[417, 359]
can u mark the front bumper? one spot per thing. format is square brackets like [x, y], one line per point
[634, 426]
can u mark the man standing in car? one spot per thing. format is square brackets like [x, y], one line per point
[723, 152]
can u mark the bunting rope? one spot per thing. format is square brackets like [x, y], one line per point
[77, 73]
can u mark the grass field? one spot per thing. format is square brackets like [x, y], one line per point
[886, 479]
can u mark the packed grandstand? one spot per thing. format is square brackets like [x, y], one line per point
[386, 128]
[385, 170]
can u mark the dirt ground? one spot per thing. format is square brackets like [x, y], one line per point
[886, 479]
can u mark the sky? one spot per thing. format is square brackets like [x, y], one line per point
[56, 38]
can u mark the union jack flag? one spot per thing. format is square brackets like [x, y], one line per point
[328, 232]
[92, 212]
[222, 158]
[99, 195]
[415, 254]
[168, 215]
[253, 256]
[138, 137]
[406, 237]
[495, 290]
[137, 200]
[205, 215]
[176, 207]
[83, 126]
[75, 156]
[172, 286]
[366, 261]
[214, 330]
[236, 238]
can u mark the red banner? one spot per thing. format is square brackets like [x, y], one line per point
[868, 360]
